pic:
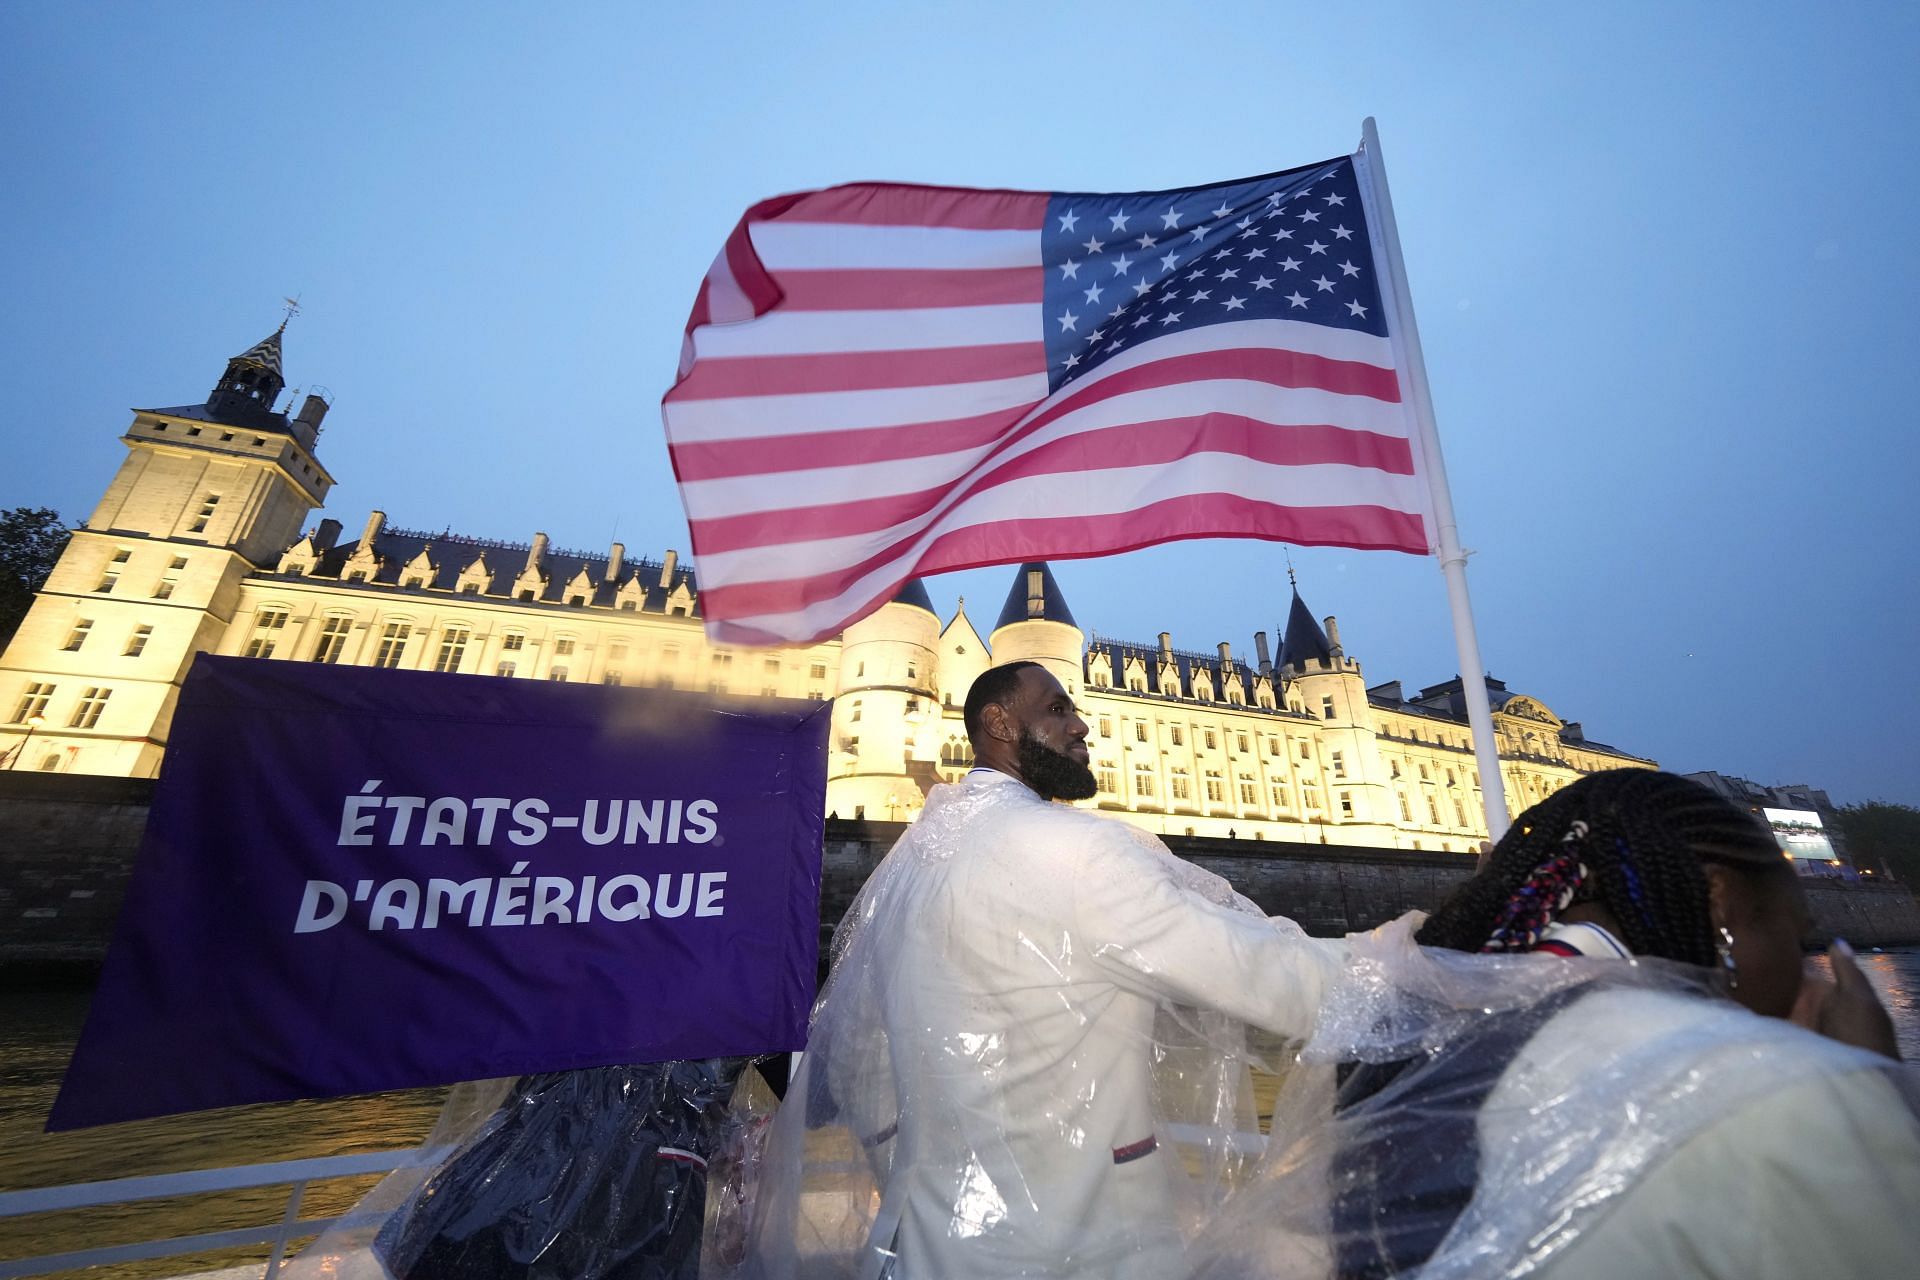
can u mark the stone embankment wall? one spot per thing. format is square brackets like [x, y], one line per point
[67, 844]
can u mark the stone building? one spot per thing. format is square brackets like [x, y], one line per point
[198, 546]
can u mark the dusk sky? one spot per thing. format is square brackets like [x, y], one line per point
[1662, 258]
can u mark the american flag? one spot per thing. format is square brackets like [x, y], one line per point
[880, 381]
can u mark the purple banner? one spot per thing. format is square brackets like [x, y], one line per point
[356, 880]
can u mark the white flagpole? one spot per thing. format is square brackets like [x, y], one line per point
[1405, 336]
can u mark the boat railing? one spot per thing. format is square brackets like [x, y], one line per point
[297, 1175]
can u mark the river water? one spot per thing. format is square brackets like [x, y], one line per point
[37, 1032]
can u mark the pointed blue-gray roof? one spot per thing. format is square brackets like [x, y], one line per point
[914, 592]
[1034, 599]
[1304, 639]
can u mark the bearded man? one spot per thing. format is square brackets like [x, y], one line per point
[988, 1033]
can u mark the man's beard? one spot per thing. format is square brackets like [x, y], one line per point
[1055, 775]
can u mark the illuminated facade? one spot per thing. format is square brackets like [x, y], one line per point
[198, 546]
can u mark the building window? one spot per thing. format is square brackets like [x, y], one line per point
[557, 673]
[1139, 730]
[453, 647]
[414, 580]
[1182, 786]
[137, 643]
[357, 575]
[469, 588]
[1433, 809]
[32, 703]
[1109, 780]
[628, 606]
[860, 670]
[611, 677]
[526, 593]
[267, 625]
[1209, 739]
[506, 668]
[853, 717]
[1310, 795]
[78, 636]
[170, 579]
[1339, 763]
[563, 647]
[1346, 804]
[1326, 707]
[1176, 735]
[1459, 811]
[1106, 726]
[87, 714]
[205, 513]
[817, 671]
[913, 671]
[333, 638]
[1240, 742]
[1216, 789]
[1393, 768]
[1280, 798]
[393, 644]
[512, 640]
[1406, 810]
[1249, 794]
[576, 600]
[1142, 782]
[111, 573]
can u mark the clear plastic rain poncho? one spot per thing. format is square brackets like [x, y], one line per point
[1031, 1058]
[1038, 1052]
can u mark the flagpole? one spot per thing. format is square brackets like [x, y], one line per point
[1405, 336]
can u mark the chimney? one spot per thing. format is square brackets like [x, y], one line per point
[375, 522]
[1036, 593]
[326, 535]
[1333, 638]
[1260, 649]
[1226, 659]
[311, 412]
[537, 552]
[666, 568]
[1166, 646]
[615, 558]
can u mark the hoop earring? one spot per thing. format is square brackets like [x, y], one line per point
[1723, 948]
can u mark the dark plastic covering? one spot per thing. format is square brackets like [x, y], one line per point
[583, 1175]
[1053, 605]
[1304, 638]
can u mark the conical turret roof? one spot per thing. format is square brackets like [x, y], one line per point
[1304, 639]
[914, 592]
[1035, 599]
[265, 353]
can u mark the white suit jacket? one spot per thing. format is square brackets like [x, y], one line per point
[1024, 948]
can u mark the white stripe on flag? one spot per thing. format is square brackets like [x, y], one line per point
[741, 418]
[1278, 406]
[1101, 492]
[815, 246]
[791, 333]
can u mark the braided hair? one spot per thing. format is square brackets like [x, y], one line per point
[1632, 840]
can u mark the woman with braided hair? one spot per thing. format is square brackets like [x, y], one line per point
[1606, 1084]
[1629, 1122]
[1637, 862]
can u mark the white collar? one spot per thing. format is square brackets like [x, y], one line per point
[1587, 938]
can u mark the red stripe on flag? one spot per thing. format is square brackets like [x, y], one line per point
[1136, 444]
[723, 377]
[879, 289]
[1197, 515]
[804, 451]
[767, 455]
[883, 204]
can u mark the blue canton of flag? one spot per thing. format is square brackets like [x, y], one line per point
[1122, 268]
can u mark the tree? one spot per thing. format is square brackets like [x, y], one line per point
[1882, 833]
[31, 539]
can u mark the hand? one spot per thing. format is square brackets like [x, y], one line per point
[1846, 1009]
